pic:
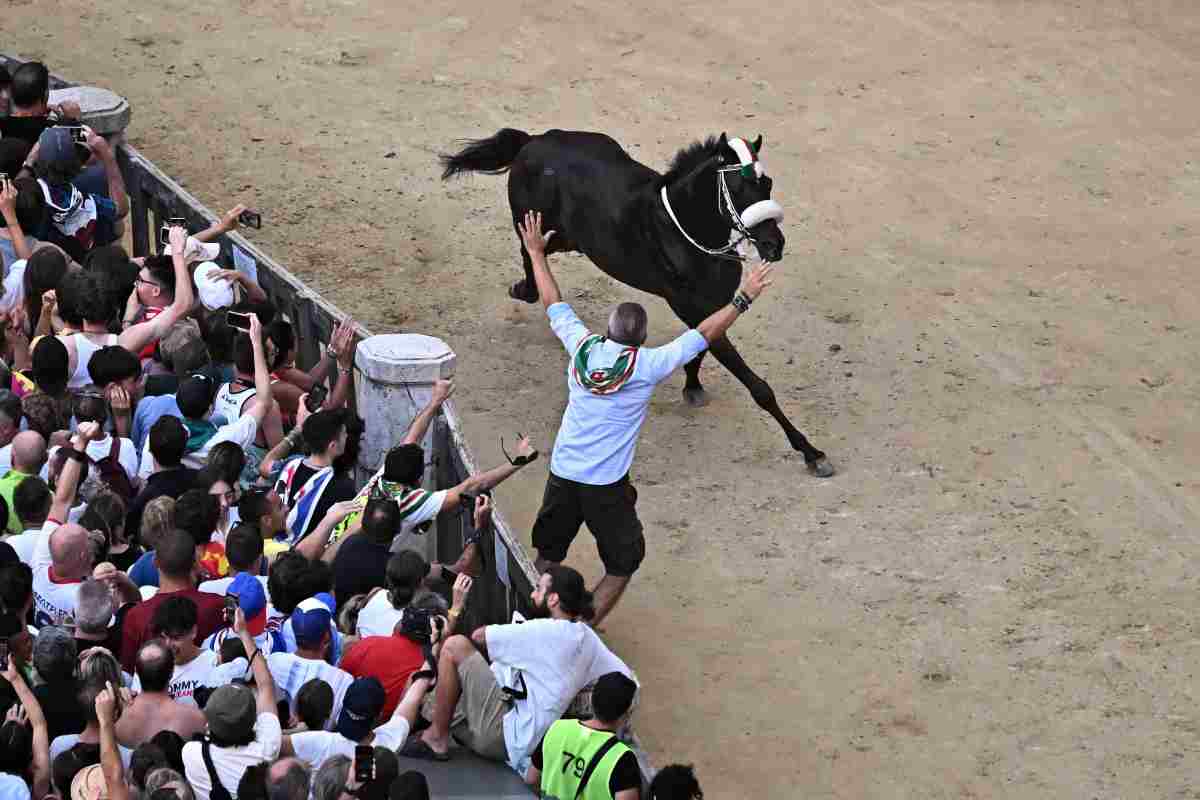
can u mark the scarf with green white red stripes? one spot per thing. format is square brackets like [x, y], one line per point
[604, 380]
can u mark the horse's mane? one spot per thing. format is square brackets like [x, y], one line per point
[688, 158]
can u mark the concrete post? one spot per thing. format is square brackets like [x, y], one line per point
[105, 112]
[392, 383]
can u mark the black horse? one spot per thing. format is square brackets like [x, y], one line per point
[680, 235]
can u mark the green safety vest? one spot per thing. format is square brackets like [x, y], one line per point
[566, 752]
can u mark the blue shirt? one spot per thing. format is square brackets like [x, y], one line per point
[598, 435]
[144, 572]
[148, 412]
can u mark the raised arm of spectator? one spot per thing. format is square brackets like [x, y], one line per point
[410, 704]
[264, 684]
[253, 291]
[8, 207]
[68, 479]
[116, 183]
[110, 755]
[32, 710]
[756, 280]
[262, 375]
[487, 480]
[313, 545]
[136, 337]
[332, 550]
[224, 225]
[535, 244]
[420, 424]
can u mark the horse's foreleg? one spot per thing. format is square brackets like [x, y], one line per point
[724, 351]
[693, 391]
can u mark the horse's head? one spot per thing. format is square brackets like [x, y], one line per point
[750, 190]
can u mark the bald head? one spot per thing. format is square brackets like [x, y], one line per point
[70, 551]
[28, 452]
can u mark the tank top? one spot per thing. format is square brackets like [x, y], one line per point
[229, 403]
[567, 751]
[85, 348]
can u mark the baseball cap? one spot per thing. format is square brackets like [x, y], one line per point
[213, 293]
[55, 146]
[252, 599]
[364, 699]
[310, 621]
[196, 250]
[195, 392]
[89, 784]
[230, 712]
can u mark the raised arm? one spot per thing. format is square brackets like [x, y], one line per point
[262, 375]
[116, 183]
[526, 453]
[110, 755]
[135, 337]
[226, 224]
[264, 684]
[68, 479]
[37, 720]
[313, 545]
[8, 207]
[717, 323]
[535, 244]
[420, 424]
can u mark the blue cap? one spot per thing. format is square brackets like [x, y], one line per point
[364, 699]
[252, 599]
[311, 621]
[55, 146]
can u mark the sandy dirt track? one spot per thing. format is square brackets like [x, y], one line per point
[992, 215]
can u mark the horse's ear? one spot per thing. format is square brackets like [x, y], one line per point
[723, 141]
[757, 143]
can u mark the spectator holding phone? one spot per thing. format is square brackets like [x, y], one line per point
[30, 111]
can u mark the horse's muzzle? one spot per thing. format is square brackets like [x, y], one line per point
[770, 243]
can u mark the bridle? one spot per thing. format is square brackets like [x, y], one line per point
[740, 222]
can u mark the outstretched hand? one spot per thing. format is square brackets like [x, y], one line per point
[757, 280]
[531, 233]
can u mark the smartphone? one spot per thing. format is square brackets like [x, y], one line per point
[251, 219]
[164, 235]
[364, 763]
[4, 653]
[316, 397]
[238, 320]
[231, 607]
[78, 135]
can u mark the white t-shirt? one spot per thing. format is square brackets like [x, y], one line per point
[203, 670]
[13, 788]
[221, 585]
[14, 286]
[598, 435]
[313, 747]
[53, 602]
[100, 448]
[231, 763]
[556, 659]
[241, 433]
[290, 672]
[25, 543]
[378, 617]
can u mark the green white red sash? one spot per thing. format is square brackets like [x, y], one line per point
[603, 380]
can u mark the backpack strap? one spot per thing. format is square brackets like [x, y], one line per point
[218, 790]
[595, 762]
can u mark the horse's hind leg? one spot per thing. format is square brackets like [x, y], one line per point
[724, 351]
[693, 391]
[525, 289]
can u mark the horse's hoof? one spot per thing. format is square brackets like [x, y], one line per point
[521, 291]
[821, 468]
[696, 398]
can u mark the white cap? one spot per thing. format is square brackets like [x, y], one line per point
[196, 250]
[214, 293]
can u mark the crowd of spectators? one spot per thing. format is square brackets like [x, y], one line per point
[196, 599]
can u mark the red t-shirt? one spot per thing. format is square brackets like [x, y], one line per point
[210, 618]
[391, 659]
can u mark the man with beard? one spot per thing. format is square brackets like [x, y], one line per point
[538, 666]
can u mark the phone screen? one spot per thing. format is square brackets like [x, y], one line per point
[364, 763]
[4, 653]
[251, 219]
[231, 606]
[238, 320]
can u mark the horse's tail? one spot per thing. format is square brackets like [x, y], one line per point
[493, 156]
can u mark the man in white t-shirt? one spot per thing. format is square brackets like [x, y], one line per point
[311, 626]
[541, 664]
[175, 622]
[195, 398]
[243, 727]
[356, 722]
[63, 557]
